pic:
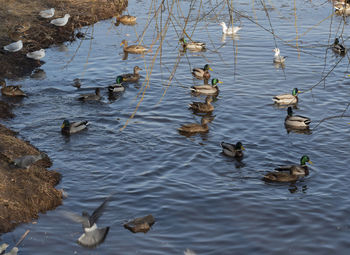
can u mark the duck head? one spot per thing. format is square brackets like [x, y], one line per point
[290, 111]
[215, 81]
[207, 67]
[305, 159]
[119, 79]
[295, 91]
[239, 146]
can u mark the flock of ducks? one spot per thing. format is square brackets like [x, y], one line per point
[38, 54]
[290, 173]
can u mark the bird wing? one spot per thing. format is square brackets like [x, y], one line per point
[76, 218]
[227, 146]
[98, 212]
[284, 168]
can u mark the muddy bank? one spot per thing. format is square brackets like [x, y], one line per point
[24, 192]
[23, 22]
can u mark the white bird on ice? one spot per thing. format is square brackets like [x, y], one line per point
[37, 55]
[60, 22]
[13, 47]
[46, 14]
[229, 30]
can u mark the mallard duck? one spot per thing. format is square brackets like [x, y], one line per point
[14, 47]
[21, 28]
[117, 86]
[90, 97]
[194, 46]
[338, 48]
[60, 22]
[342, 7]
[132, 77]
[46, 14]
[207, 89]
[202, 73]
[229, 30]
[203, 107]
[297, 121]
[287, 99]
[195, 127]
[37, 55]
[126, 19]
[68, 128]
[233, 150]
[11, 91]
[135, 49]
[278, 58]
[295, 172]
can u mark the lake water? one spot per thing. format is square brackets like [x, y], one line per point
[200, 199]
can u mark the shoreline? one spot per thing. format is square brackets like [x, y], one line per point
[24, 193]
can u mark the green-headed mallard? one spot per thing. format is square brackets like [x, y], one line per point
[126, 19]
[278, 58]
[11, 91]
[135, 49]
[117, 86]
[68, 128]
[195, 127]
[232, 150]
[203, 107]
[296, 121]
[287, 99]
[295, 172]
[207, 89]
[194, 46]
[338, 48]
[132, 77]
[202, 73]
[91, 97]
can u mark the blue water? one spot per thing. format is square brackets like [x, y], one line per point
[200, 199]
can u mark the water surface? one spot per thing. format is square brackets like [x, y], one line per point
[201, 199]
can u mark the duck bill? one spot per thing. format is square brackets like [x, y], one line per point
[121, 44]
[62, 126]
[210, 69]
[242, 148]
[310, 162]
[220, 82]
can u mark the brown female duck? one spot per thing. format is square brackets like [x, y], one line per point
[135, 49]
[194, 128]
[11, 91]
[203, 107]
[132, 77]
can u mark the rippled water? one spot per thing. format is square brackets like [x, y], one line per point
[201, 199]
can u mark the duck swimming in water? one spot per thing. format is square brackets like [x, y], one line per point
[338, 48]
[296, 121]
[287, 99]
[278, 59]
[293, 174]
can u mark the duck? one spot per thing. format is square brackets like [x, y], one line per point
[22, 27]
[14, 47]
[338, 48]
[135, 49]
[297, 121]
[229, 30]
[202, 73]
[36, 55]
[11, 91]
[194, 128]
[203, 107]
[132, 77]
[46, 14]
[294, 172]
[342, 7]
[68, 128]
[233, 150]
[91, 97]
[126, 19]
[194, 46]
[278, 58]
[207, 89]
[117, 86]
[60, 22]
[287, 99]
[77, 83]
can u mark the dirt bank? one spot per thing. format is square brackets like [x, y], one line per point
[24, 192]
[20, 15]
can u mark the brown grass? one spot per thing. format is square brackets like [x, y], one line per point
[42, 34]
